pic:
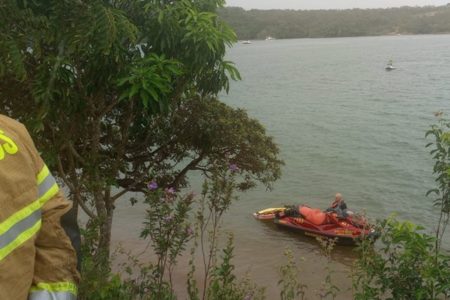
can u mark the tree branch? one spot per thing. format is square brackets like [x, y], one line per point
[119, 194]
[76, 154]
[75, 190]
[63, 174]
[87, 210]
[183, 172]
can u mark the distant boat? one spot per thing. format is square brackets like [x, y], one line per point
[389, 66]
[269, 38]
[246, 42]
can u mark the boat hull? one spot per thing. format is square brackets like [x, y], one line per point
[343, 237]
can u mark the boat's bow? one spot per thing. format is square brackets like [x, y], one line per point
[268, 213]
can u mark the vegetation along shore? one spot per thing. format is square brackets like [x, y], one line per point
[123, 99]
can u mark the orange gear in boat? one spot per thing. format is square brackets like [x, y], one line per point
[313, 215]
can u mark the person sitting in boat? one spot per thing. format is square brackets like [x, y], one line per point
[338, 206]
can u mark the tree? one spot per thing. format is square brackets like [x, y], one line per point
[441, 156]
[89, 76]
[106, 87]
[403, 266]
[204, 134]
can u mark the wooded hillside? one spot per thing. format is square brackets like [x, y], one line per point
[280, 24]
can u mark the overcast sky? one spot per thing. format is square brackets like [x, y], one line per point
[330, 4]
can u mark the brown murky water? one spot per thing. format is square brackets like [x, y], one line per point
[258, 255]
[343, 124]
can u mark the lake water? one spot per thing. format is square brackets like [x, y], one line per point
[343, 124]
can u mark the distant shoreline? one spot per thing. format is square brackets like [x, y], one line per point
[289, 24]
[342, 37]
[339, 9]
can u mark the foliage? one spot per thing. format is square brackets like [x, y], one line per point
[101, 82]
[203, 134]
[403, 268]
[111, 287]
[410, 264]
[224, 284]
[281, 24]
[219, 281]
[98, 282]
[135, 279]
[167, 228]
[216, 198]
[117, 92]
[290, 287]
[328, 288]
[441, 157]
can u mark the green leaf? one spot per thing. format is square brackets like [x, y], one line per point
[133, 91]
[160, 16]
[153, 93]
[123, 95]
[145, 99]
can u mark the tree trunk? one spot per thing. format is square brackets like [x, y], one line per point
[105, 217]
[105, 235]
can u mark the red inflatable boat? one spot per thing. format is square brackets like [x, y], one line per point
[316, 223]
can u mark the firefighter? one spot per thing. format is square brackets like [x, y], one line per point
[37, 257]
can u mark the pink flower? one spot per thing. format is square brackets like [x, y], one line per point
[189, 231]
[152, 186]
[233, 168]
[170, 191]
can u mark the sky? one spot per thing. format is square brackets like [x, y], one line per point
[330, 4]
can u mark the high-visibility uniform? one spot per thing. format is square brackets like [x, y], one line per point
[37, 260]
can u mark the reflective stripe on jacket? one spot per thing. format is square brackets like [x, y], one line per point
[37, 260]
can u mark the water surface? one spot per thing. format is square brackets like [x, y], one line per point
[343, 124]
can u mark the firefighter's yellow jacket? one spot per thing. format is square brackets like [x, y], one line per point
[37, 260]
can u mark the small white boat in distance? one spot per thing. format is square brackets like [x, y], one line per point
[246, 42]
[269, 38]
[389, 66]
